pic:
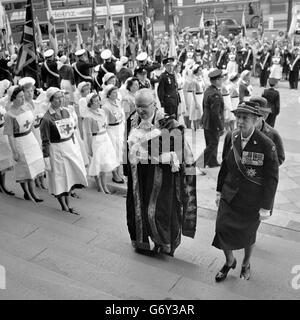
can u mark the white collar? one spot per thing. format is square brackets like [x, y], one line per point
[248, 138]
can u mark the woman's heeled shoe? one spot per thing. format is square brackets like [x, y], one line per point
[116, 181]
[245, 272]
[222, 274]
[38, 200]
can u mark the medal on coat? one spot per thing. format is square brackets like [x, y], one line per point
[169, 80]
[252, 158]
[251, 172]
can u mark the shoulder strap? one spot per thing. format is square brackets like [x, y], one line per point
[81, 75]
[240, 165]
[56, 75]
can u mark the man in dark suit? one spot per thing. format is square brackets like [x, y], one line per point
[246, 187]
[82, 68]
[213, 118]
[265, 60]
[267, 129]
[49, 71]
[273, 98]
[294, 65]
[167, 90]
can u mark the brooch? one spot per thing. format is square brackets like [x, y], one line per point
[251, 172]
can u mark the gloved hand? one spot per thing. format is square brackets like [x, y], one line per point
[264, 214]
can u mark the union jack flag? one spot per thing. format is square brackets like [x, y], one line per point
[27, 58]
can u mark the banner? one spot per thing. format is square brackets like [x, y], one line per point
[79, 44]
[216, 25]
[27, 58]
[123, 39]
[94, 29]
[52, 31]
[109, 28]
[38, 34]
[201, 26]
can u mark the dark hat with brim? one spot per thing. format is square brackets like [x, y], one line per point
[168, 60]
[272, 81]
[248, 107]
[262, 103]
[215, 74]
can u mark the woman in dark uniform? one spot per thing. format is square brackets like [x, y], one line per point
[246, 188]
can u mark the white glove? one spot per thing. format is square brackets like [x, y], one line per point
[47, 164]
[264, 214]
[218, 198]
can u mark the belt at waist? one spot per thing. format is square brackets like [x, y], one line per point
[98, 133]
[114, 124]
[199, 92]
[63, 140]
[179, 89]
[235, 97]
[22, 134]
[190, 91]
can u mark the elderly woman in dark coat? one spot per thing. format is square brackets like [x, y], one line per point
[246, 188]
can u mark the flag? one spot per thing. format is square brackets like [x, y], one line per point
[52, 31]
[66, 32]
[27, 57]
[123, 38]
[243, 25]
[9, 37]
[109, 29]
[293, 23]
[201, 26]
[79, 38]
[216, 25]
[2, 26]
[172, 48]
[94, 29]
[38, 33]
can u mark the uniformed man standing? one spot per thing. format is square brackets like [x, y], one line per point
[213, 118]
[49, 71]
[82, 68]
[167, 90]
[265, 63]
[246, 58]
[142, 62]
[108, 65]
[265, 128]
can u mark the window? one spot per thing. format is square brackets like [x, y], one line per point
[19, 5]
[8, 6]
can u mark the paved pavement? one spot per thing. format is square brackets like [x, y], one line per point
[48, 254]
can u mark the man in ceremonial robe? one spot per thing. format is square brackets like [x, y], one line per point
[161, 197]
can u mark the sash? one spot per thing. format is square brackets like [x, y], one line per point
[240, 165]
[98, 84]
[56, 75]
[248, 56]
[103, 68]
[293, 65]
[266, 58]
[89, 78]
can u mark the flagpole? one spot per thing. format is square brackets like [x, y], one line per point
[34, 45]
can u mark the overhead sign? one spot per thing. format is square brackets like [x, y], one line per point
[75, 13]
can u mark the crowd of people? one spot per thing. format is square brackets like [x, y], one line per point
[95, 112]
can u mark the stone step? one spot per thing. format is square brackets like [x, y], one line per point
[35, 216]
[45, 282]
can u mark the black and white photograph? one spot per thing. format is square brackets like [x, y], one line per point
[150, 153]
